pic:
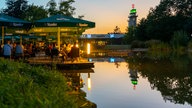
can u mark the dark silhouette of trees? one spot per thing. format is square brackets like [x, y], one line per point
[64, 7]
[52, 8]
[21, 9]
[164, 20]
[34, 13]
[16, 8]
[116, 30]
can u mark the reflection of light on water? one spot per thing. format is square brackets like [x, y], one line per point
[89, 82]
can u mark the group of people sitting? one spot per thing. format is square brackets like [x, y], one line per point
[16, 50]
[68, 52]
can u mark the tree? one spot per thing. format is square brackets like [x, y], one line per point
[129, 36]
[81, 16]
[16, 8]
[35, 13]
[180, 38]
[65, 7]
[20, 9]
[52, 8]
[140, 32]
[181, 7]
[116, 30]
[188, 26]
[166, 18]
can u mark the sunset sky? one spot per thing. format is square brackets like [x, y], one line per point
[107, 14]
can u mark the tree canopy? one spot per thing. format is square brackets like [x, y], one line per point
[34, 13]
[16, 8]
[21, 9]
[166, 18]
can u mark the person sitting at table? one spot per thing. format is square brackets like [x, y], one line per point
[74, 53]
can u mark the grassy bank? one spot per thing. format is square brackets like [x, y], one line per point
[24, 86]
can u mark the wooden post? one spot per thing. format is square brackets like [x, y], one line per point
[58, 37]
[20, 40]
[3, 34]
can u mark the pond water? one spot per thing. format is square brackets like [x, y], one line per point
[141, 81]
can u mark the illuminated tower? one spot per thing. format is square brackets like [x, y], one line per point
[132, 17]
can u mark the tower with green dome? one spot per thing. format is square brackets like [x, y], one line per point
[132, 17]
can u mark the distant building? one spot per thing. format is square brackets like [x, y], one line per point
[132, 21]
[101, 40]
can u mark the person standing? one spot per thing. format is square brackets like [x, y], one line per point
[13, 50]
[1, 50]
[68, 50]
[30, 49]
[7, 48]
[54, 51]
[18, 51]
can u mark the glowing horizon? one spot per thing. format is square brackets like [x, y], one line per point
[105, 13]
[106, 18]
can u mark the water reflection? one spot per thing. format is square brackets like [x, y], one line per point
[74, 78]
[89, 82]
[133, 76]
[171, 75]
[76, 82]
[108, 59]
[138, 81]
[117, 64]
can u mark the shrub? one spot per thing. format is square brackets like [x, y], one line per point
[151, 43]
[137, 44]
[24, 86]
[179, 38]
[190, 45]
[157, 45]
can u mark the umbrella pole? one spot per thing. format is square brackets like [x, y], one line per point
[3, 34]
[20, 40]
[12, 40]
[58, 37]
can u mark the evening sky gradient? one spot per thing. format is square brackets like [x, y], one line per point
[107, 14]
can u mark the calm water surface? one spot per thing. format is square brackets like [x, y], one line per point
[140, 83]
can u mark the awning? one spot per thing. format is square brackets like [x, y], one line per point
[63, 21]
[10, 21]
[13, 25]
[62, 26]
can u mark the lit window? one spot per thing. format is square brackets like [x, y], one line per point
[112, 59]
[89, 36]
[112, 35]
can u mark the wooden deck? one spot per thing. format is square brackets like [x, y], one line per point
[68, 64]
